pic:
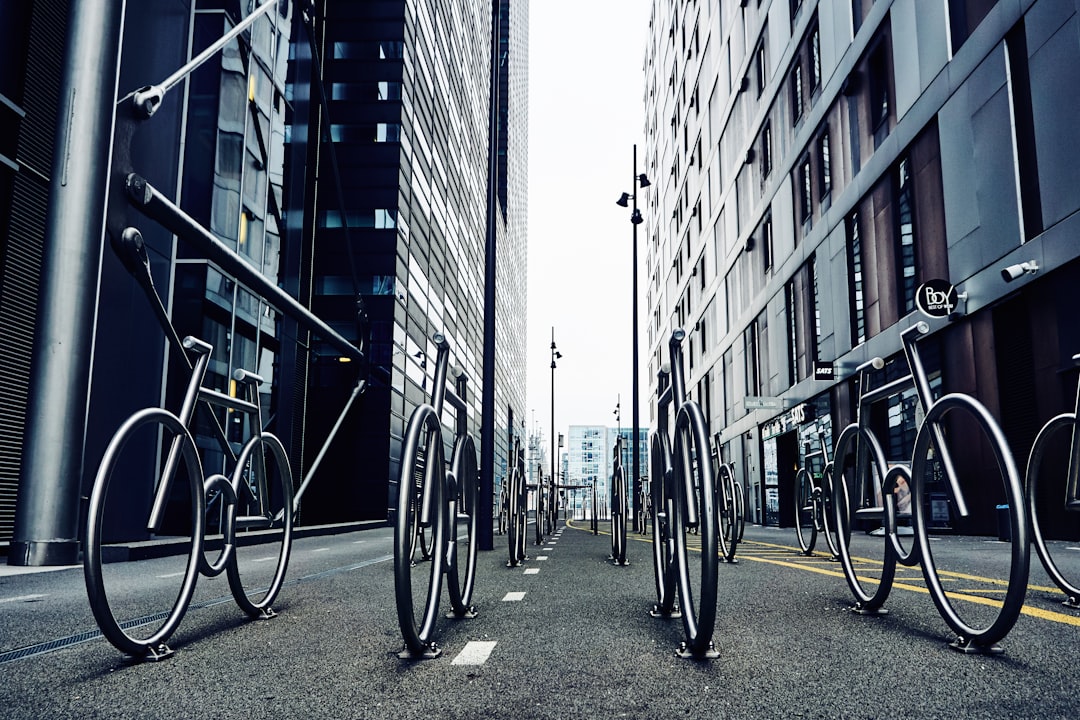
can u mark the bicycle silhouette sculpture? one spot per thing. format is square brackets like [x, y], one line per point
[619, 509]
[431, 497]
[155, 480]
[683, 486]
[865, 487]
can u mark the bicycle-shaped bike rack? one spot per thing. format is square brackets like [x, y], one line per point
[1052, 435]
[731, 508]
[619, 509]
[257, 501]
[444, 500]
[683, 499]
[517, 511]
[865, 488]
[253, 498]
[813, 501]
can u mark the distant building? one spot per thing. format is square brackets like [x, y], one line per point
[590, 462]
[813, 164]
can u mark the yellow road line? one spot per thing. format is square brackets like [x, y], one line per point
[1029, 610]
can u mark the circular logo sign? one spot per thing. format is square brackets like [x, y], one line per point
[936, 298]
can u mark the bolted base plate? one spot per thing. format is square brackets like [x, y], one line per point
[969, 647]
[684, 652]
[656, 612]
[161, 652]
[431, 651]
[468, 614]
[860, 609]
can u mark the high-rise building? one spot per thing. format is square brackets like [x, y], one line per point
[345, 151]
[815, 163]
[407, 112]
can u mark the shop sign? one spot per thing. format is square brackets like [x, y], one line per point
[936, 298]
[757, 402]
[788, 421]
[824, 370]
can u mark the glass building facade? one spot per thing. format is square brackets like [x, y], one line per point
[342, 150]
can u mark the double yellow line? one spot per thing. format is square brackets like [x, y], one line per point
[1029, 610]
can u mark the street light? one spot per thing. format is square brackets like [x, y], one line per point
[638, 181]
[555, 355]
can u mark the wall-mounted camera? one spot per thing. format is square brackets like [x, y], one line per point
[1020, 269]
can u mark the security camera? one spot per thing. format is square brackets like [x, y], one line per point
[1015, 271]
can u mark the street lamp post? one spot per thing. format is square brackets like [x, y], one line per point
[637, 181]
[555, 355]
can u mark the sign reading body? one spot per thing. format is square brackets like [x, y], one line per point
[936, 298]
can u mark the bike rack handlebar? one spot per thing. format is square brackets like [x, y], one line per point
[149, 200]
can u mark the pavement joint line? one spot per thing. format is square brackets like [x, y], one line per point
[475, 652]
[22, 598]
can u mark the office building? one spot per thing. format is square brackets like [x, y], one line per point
[373, 198]
[590, 462]
[814, 164]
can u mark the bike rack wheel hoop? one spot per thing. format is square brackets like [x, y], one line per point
[152, 646]
[845, 511]
[465, 494]
[1057, 429]
[424, 431]
[972, 639]
[269, 520]
[695, 507]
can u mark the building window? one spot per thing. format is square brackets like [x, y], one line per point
[965, 16]
[806, 198]
[824, 165]
[879, 87]
[756, 339]
[797, 91]
[391, 50]
[791, 307]
[816, 299]
[767, 243]
[728, 383]
[815, 58]
[905, 237]
[385, 219]
[759, 54]
[855, 274]
[766, 151]
[389, 91]
[388, 132]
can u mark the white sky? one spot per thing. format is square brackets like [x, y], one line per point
[586, 112]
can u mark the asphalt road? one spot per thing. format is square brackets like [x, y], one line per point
[569, 637]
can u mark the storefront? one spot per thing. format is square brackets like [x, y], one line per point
[788, 442]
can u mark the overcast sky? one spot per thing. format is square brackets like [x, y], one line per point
[586, 112]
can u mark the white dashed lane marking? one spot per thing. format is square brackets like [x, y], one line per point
[532, 571]
[541, 557]
[475, 652]
[514, 597]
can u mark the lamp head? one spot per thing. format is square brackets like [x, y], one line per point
[643, 180]
[635, 217]
[624, 200]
